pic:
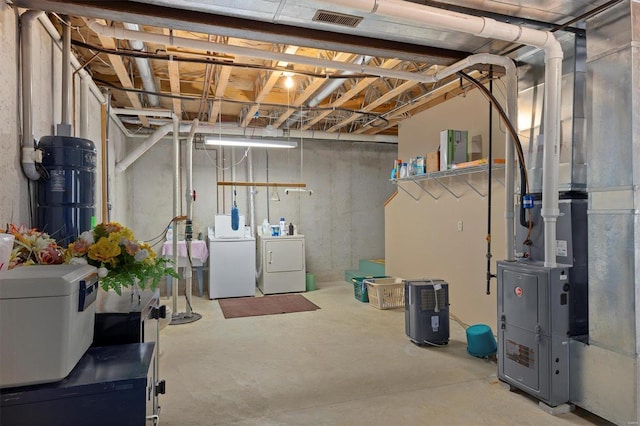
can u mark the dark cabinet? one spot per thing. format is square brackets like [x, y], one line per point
[110, 385]
[131, 317]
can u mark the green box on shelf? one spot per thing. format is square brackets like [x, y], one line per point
[360, 288]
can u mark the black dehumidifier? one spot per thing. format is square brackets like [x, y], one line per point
[426, 312]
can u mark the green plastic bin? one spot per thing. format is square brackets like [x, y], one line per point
[360, 288]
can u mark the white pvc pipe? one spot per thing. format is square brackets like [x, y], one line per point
[84, 107]
[53, 33]
[252, 193]
[490, 28]
[233, 130]
[124, 34]
[26, 43]
[510, 165]
[189, 200]
[66, 73]
[551, 156]
[176, 208]
[144, 147]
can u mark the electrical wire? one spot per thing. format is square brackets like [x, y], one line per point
[524, 180]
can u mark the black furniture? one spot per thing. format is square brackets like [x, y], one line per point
[132, 317]
[110, 385]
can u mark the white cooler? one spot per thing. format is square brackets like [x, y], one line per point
[47, 314]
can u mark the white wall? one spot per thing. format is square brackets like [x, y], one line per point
[422, 238]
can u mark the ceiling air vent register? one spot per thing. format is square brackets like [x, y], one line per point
[337, 18]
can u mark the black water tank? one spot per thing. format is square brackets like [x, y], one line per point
[66, 194]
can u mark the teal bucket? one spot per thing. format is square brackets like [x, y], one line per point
[480, 341]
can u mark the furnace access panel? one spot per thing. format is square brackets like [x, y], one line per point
[533, 335]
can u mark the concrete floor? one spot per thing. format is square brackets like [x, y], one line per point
[344, 364]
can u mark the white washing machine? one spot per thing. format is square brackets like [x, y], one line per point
[232, 261]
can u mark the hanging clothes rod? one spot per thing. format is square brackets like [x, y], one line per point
[273, 184]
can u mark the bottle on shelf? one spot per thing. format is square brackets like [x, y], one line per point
[283, 226]
[403, 171]
[291, 229]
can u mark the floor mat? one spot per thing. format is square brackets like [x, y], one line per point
[266, 305]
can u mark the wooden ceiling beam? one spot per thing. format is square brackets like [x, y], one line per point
[223, 73]
[121, 71]
[264, 89]
[174, 80]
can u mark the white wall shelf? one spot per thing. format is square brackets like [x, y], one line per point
[459, 174]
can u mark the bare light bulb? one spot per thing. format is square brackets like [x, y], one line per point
[288, 82]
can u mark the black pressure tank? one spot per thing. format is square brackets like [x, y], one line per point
[66, 192]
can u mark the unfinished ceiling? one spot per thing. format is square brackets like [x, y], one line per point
[228, 61]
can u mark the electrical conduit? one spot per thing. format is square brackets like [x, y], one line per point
[490, 28]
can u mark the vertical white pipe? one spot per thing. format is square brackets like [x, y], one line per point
[252, 193]
[176, 206]
[66, 71]
[510, 165]
[490, 28]
[189, 200]
[551, 154]
[84, 107]
[26, 43]
[233, 164]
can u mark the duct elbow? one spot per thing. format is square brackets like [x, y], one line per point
[30, 171]
[29, 158]
[552, 48]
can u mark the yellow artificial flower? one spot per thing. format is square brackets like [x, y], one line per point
[104, 250]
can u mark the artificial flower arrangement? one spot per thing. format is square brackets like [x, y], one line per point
[121, 260]
[33, 247]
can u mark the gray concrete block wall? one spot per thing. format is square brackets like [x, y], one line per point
[14, 204]
[343, 221]
[46, 111]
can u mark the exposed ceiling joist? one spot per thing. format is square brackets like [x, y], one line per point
[121, 71]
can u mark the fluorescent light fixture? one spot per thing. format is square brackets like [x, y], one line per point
[259, 143]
